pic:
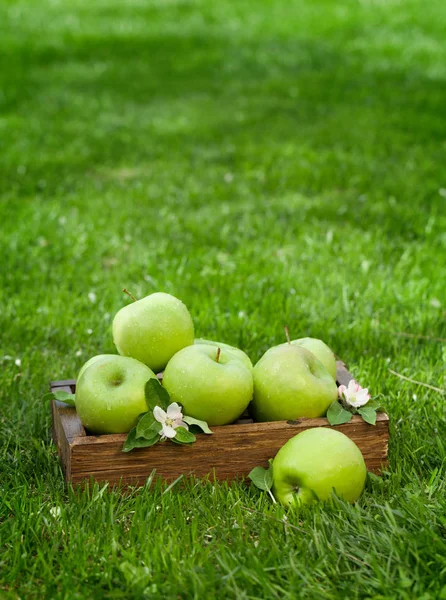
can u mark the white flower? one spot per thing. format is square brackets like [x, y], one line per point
[18, 362]
[170, 420]
[92, 297]
[55, 512]
[353, 395]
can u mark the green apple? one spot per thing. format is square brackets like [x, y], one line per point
[242, 356]
[91, 361]
[110, 394]
[153, 329]
[320, 350]
[314, 463]
[289, 382]
[211, 384]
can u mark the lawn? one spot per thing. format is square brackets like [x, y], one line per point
[268, 163]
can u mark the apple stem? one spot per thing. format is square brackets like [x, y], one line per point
[125, 290]
[218, 354]
[287, 333]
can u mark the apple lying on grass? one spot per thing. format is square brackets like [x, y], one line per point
[316, 462]
[110, 393]
[211, 384]
[153, 329]
[290, 382]
[236, 352]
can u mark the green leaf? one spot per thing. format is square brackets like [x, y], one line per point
[156, 395]
[373, 403]
[61, 396]
[147, 425]
[261, 477]
[336, 414]
[368, 413]
[197, 423]
[133, 442]
[183, 436]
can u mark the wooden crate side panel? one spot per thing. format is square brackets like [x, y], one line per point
[61, 440]
[72, 425]
[66, 425]
[70, 420]
[343, 375]
[228, 454]
[68, 385]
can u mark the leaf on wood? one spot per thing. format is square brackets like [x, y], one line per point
[368, 414]
[156, 395]
[61, 396]
[196, 423]
[337, 415]
[183, 436]
[147, 425]
[133, 442]
[261, 477]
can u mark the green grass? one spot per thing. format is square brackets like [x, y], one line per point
[269, 163]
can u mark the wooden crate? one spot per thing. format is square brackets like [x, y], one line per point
[230, 453]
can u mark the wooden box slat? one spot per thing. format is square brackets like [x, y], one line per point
[230, 453]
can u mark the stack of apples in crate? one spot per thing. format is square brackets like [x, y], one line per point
[207, 383]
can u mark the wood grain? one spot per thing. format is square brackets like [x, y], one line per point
[230, 453]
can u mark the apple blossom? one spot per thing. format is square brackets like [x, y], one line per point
[170, 420]
[353, 394]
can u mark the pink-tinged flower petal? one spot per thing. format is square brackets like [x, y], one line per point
[174, 411]
[352, 386]
[353, 395]
[168, 431]
[159, 414]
